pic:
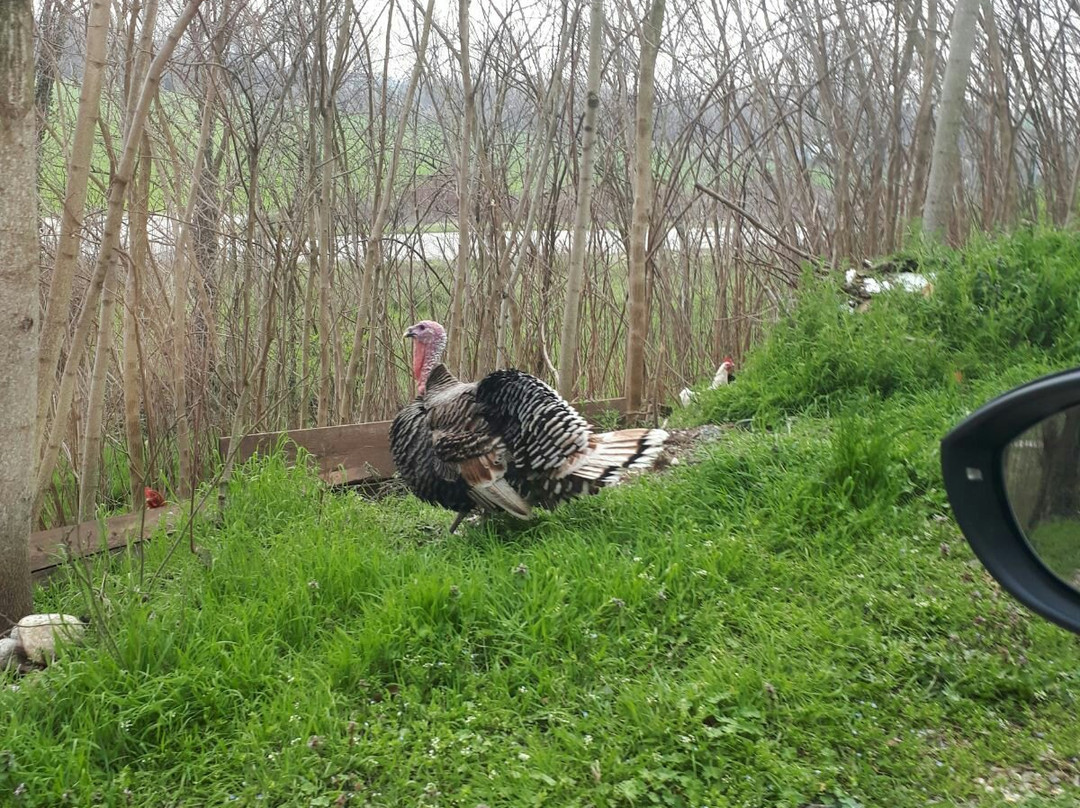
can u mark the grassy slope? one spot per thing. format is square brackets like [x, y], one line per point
[794, 621]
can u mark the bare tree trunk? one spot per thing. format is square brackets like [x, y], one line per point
[945, 166]
[457, 311]
[570, 338]
[1058, 493]
[314, 240]
[1004, 195]
[330, 79]
[18, 306]
[922, 138]
[90, 473]
[268, 338]
[205, 224]
[132, 304]
[643, 196]
[185, 258]
[1074, 187]
[58, 307]
[326, 236]
[140, 254]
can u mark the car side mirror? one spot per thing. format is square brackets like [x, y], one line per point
[1012, 473]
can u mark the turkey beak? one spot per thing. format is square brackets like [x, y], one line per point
[410, 334]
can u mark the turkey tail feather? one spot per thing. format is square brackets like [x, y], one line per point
[501, 495]
[614, 454]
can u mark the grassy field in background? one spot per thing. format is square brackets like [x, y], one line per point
[793, 621]
[284, 153]
[280, 170]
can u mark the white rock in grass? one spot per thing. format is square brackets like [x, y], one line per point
[38, 632]
[9, 653]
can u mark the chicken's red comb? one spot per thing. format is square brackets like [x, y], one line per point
[729, 359]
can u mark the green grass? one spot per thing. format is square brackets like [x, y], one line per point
[1058, 545]
[793, 621]
[1001, 311]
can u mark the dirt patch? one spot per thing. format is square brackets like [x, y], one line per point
[684, 445]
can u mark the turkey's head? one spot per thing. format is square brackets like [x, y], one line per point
[429, 342]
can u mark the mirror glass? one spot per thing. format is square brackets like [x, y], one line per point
[1042, 482]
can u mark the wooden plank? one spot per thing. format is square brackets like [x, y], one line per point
[354, 453]
[593, 409]
[85, 538]
[362, 449]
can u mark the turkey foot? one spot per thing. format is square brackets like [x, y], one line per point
[474, 519]
[458, 520]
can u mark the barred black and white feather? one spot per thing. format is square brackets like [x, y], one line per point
[509, 442]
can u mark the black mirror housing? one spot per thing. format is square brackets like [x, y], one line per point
[973, 470]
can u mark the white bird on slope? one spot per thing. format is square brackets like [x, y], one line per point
[724, 374]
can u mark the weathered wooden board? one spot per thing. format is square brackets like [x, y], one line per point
[343, 454]
[354, 452]
[46, 546]
[593, 409]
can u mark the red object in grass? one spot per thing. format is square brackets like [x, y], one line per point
[154, 499]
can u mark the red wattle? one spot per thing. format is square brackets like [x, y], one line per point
[419, 355]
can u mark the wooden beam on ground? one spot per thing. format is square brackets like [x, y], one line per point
[594, 409]
[355, 453]
[343, 454]
[85, 538]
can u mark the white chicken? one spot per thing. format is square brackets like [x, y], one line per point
[724, 375]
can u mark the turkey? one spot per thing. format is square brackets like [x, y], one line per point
[506, 443]
[724, 374]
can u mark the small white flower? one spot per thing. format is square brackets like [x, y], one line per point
[523, 756]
